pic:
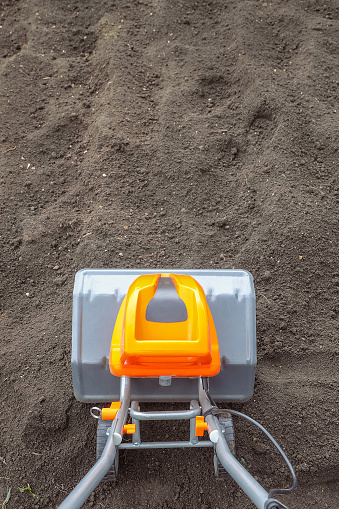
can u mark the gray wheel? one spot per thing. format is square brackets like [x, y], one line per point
[226, 425]
[102, 433]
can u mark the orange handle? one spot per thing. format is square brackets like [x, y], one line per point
[200, 426]
[108, 414]
[129, 429]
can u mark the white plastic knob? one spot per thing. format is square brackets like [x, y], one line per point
[214, 436]
[117, 439]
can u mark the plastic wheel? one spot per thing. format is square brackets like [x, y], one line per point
[226, 425]
[102, 433]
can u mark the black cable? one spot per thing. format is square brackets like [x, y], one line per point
[205, 386]
[273, 491]
[215, 411]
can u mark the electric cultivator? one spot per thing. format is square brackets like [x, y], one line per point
[179, 336]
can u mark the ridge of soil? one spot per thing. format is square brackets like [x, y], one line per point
[169, 134]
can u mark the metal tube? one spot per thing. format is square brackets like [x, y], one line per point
[194, 405]
[193, 438]
[172, 415]
[212, 429]
[125, 393]
[82, 491]
[136, 436]
[91, 480]
[165, 445]
[242, 477]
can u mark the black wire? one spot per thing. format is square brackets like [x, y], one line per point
[206, 389]
[215, 411]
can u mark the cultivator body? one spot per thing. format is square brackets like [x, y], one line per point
[177, 336]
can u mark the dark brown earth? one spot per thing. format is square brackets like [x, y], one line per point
[193, 134]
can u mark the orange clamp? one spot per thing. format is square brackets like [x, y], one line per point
[129, 429]
[108, 414]
[200, 426]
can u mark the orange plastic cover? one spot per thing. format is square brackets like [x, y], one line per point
[109, 414]
[200, 426]
[143, 348]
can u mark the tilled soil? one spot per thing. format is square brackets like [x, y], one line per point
[196, 134]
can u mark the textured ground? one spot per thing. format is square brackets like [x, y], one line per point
[169, 134]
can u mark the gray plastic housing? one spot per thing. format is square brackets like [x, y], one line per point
[97, 297]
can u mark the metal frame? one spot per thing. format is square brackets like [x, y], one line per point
[243, 478]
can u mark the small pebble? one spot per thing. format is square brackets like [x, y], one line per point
[266, 275]
[60, 280]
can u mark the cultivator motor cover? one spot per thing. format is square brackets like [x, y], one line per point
[165, 336]
[99, 295]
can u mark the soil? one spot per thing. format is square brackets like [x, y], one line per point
[158, 133]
